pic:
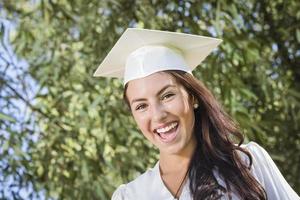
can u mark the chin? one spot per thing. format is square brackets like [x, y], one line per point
[172, 150]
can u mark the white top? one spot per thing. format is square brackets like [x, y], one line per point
[149, 185]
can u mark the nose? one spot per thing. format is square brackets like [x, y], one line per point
[158, 113]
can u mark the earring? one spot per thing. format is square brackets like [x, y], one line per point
[196, 105]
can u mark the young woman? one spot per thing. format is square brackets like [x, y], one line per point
[201, 155]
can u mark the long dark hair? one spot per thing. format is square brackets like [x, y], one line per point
[216, 135]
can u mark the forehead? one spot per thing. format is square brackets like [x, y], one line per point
[149, 85]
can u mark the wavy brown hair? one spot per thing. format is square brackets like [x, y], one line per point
[216, 134]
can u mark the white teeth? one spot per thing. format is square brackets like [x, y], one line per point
[167, 128]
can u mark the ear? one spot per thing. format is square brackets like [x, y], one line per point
[194, 102]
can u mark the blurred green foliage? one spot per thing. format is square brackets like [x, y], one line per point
[86, 141]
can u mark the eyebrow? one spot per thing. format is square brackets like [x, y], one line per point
[157, 94]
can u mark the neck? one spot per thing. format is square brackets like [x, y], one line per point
[174, 163]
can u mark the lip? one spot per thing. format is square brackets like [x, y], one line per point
[169, 137]
[164, 125]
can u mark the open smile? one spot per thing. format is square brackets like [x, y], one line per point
[168, 132]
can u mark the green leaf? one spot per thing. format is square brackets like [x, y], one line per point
[6, 117]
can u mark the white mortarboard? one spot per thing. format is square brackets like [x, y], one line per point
[141, 52]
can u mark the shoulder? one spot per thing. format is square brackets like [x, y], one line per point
[146, 178]
[261, 160]
[119, 193]
[260, 157]
[267, 173]
[137, 187]
[253, 147]
[255, 150]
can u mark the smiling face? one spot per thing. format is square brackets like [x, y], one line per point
[163, 111]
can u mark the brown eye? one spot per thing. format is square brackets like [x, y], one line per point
[167, 96]
[141, 106]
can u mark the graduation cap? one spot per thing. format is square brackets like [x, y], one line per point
[141, 52]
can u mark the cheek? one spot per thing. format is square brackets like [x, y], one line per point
[186, 112]
[142, 123]
[181, 108]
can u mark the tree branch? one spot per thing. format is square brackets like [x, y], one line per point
[32, 107]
